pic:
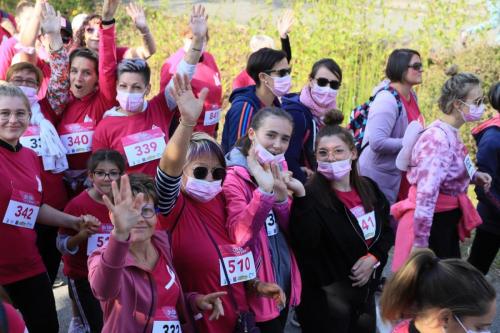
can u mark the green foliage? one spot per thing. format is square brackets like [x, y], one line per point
[68, 8]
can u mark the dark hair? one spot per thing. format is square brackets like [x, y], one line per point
[142, 183]
[202, 144]
[79, 40]
[398, 62]
[21, 66]
[136, 65]
[263, 60]
[426, 282]
[319, 184]
[106, 155]
[494, 96]
[329, 64]
[87, 53]
[457, 87]
[244, 143]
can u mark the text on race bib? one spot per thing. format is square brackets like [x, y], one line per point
[168, 322]
[469, 165]
[368, 224]
[212, 117]
[239, 264]
[144, 146]
[271, 225]
[22, 210]
[77, 138]
[31, 139]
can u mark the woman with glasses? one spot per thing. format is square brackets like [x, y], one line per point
[88, 35]
[138, 128]
[271, 72]
[133, 275]
[256, 191]
[439, 296]
[394, 107]
[341, 235]
[438, 213]
[308, 109]
[104, 167]
[22, 205]
[188, 183]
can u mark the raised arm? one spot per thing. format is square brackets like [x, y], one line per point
[28, 34]
[148, 47]
[107, 51]
[285, 23]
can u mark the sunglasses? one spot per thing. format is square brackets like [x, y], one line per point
[202, 172]
[323, 82]
[416, 66]
[281, 72]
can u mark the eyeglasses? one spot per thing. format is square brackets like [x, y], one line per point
[19, 115]
[477, 102]
[202, 172]
[281, 72]
[323, 82]
[113, 175]
[416, 66]
[148, 211]
[17, 81]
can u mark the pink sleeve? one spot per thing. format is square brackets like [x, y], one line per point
[165, 75]
[282, 212]
[107, 63]
[106, 269]
[245, 216]
[7, 52]
[433, 158]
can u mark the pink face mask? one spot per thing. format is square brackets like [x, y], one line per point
[334, 170]
[202, 190]
[130, 102]
[30, 93]
[282, 85]
[265, 156]
[475, 112]
[324, 96]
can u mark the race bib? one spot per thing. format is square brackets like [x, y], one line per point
[469, 165]
[169, 323]
[99, 239]
[144, 146]
[239, 264]
[77, 138]
[31, 139]
[212, 117]
[271, 225]
[368, 225]
[22, 210]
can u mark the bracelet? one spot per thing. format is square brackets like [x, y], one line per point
[186, 124]
[109, 22]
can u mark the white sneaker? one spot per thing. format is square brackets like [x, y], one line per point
[76, 326]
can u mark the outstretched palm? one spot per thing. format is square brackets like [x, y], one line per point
[198, 21]
[137, 15]
[190, 107]
[51, 21]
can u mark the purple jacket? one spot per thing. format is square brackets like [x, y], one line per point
[128, 293]
[384, 134]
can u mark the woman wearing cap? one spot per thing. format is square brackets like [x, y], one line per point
[307, 109]
[88, 34]
[137, 128]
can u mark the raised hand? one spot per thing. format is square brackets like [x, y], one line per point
[126, 210]
[279, 189]
[211, 302]
[109, 8]
[190, 107]
[51, 21]
[137, 15]
[198, 21]
[285, 23]
[262, 174]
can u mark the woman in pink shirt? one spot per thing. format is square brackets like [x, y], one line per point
[437, 212]
[439, 296]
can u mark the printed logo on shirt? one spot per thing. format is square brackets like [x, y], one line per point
[39, 184]
[172, 278]
[87, 119]
[217, 79]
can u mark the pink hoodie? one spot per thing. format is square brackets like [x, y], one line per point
[247, 209]
[128, 293]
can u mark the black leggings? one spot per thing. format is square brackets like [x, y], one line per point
[444, 239]
[276, 325]
[34, 298]
[89, 309]
[484, 250]
[46, 244]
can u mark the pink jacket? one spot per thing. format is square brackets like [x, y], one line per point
[402, 327]
[247, 209]
[128, 293]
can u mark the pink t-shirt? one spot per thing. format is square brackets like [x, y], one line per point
[112, 131]
[167, 291]
[243, 80]
[352, 201]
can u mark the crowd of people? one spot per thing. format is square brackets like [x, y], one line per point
[289, 218]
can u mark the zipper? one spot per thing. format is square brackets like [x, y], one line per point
[362, 237]
[152, 302]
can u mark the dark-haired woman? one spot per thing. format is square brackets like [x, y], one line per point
[138, 128]
[440, 296]
[256, 191]
[271, 72]
[487, 135]
[104, 166]
[341, 234]
[308, 109]
[88, 35]
[388, 119]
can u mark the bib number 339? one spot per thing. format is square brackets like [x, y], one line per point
[144, 146]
